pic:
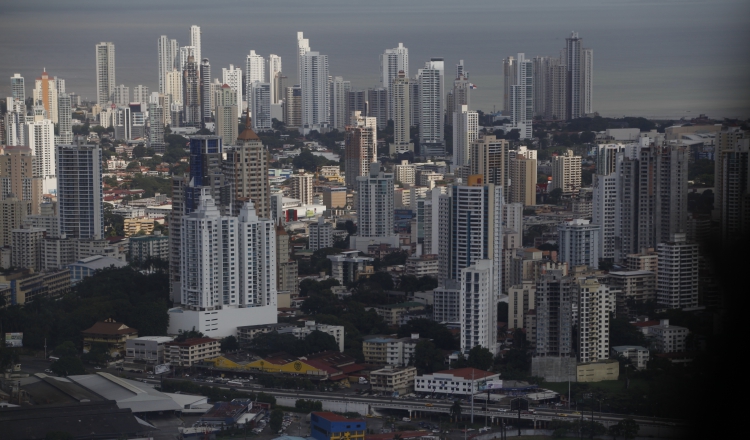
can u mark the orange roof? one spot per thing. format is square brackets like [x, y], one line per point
[468, 373]
[110, 327]
[248, 134]
[331, 417]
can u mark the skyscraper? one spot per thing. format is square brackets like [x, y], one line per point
[431, 108]
[45, 91]
[260, 98]
[246, 171]
[105, 73]
[465, 132]
[579, 243]
[596, 302]
[302, 188]
[233, 78]
[195, 42]
[522, 97]
[17, 176]
[226, 114]
[303, 46]
[18, 87]
[566, 173]
[174, 86]
[355, 102]
[554, 312]
[732, 177]
[255, 69]
[168, 57]
[185, 53]
[315, 91]
[488, 156]
[523, 175]
[375, 207]
[64, 119]
[79, 192]
[478, 306]
[556, 95]
[377, 106]
[509, 78]
[274, 68]
[339, 93]
[205, 90]
[141, 94]
[579, 62]
[540, 74]
[393, 61]
[293, 107]
[677, 277]
[39, 135]
[191, 94]
[121, 96]
[401, 114]
[156, 123]
[360, 148]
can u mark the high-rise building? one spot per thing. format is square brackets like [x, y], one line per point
[431, 108]
[156, 122]
[45, 92]
[554, 310]
[461, 92]
[522, 97]
[520, 301]
[293, 107]
[191, 95]
[587, 80]
[339, 94]
[488, 156]
[185, 53]
[195, 42]
[401, 113]
[540, 75]
[79, 193]
[732, 177]
[12, 212]
[173, 85]
[302, 188]
[303, 47]
[566, 173]
[260, 105]
[105, 73]
[523, 175]
[360, 148]
[18, 87]
[393, 61]
[465, 132]
[579, 243]
[377, 106]
[320, 235]
[579, 62]
[246, 168]
[375, 207]
[478, 306]
[415, 101]
[121, 96]
[205, 90]
[596, 302]
[26, 247]
[14, 122]
[40, 137]
[604, 211]
[17, 176]
[168, 54]
[141, 94]
[315, 91]
[287, 269]
[279, 89]
[274, 69]
[226, 114]
[233, 78]
[356, 102]
[556, 94]
[677, 277]
[64, 119]
[255, 69]
[509, 78]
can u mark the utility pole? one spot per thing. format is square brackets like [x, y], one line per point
[472, 395]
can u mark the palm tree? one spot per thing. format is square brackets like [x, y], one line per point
[456, 409]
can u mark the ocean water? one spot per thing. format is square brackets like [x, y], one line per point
[653, 58]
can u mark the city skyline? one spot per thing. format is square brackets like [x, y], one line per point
[634, 76]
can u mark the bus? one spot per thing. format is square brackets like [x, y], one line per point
[53, 358]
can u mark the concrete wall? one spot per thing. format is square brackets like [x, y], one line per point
[219, 323]
[554, 369]
[598, 371]
[329, 405]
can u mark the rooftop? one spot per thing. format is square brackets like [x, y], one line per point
[331, 417]
[468, 373]
[110, 327]
[193, 341]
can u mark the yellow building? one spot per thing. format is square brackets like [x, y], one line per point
[109, 332]
[133, 226]
[598, 371]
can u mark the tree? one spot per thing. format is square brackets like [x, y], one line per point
[427, 357]
[67, 366]
[229, 343]
[277, 417]
[67, 348]
[456, 409]
[480, 358]
[139, 151]
[626, 428]
[318, 341]
[190, 334]
[555, 195]
[621, 332]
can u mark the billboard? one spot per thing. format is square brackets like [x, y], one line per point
[490, 385]
[161, 368]
[14, 339]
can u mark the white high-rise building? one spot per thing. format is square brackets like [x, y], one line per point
[45, 92]
[185, 53]
[566, 173]
[587, 78]
[40, 137]
[315, 91]
[339, 93]
[596, 301]
[401, 114]
[15, 120]
[225, 111]
[509, 78]
[233, 78]
[478, 307]
[375, 207]
[195, 41]
[677, 277]
[64, 119]
[17, 88]
[168, 52]
[274, 67]
[80, 197]
[174, 86]
[260, 105]
[121, 95]
[604, 204]
[580, 64]
[105, 73]
[141, 95]
[393, 61]
[320, 235]
[302, 188]
[579, 243]
[522, 97]
[465, 132]
[255, 69]
[303, 46]
[431, 108]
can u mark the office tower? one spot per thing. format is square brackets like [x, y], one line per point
[579, 243]
[461, 93]
[522, 97]
[79, 192]
[393, 61]
[40, 137]
[415, 101]
[375, 207]
[431, 108]
[233, 78]
[293, 107]
[105, 73]
[732, 183]
[205, 90]
[121, 95]
[540, 74]
[122, 123]
[168, 55]
[274, 68]
[45, 91]
[255, 69]
[579, 62]
[141, 94]
[377, 106]
[302, 188]
[672, 189]
[12, 212]
[18, 87]
[360, 148]
[556, 95]
[334, 197]
[488, 156]
[64, 119]
[279, 89]
[185, 53]
[315, 90]
[260, 105]
[401, 114]
[478, 307]
[246, 167]
[554, 313]
[195, 41]
[226, 114]
[465, 132]
[17, 176]
[604, 202]
[156, 123]
[340, 90]
[523, 175]
[321, 235]
[596, 301]
[677, 278]
[566, 173]
[509, 78]
[303, 47]
[191, 94]
[174, 86]
[356, 101]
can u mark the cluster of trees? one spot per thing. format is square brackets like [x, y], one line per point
[315, 342]
[152, 185]
[307, 406]
[310, 162]
[317, 262]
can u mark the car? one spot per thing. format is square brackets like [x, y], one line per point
[48, 371]
[484, 429]
[427, 404]
[436, 431]
[97, 368]
[562, 414]
[406, 419]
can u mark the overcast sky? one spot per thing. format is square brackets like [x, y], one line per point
[659, 58]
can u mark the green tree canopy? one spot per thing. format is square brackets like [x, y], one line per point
[480, 358]
[229, 343]
[67, 366]
[427, 358]
[277, 417]
[67, 348]
[427, 328]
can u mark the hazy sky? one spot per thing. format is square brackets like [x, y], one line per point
[659, 58]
